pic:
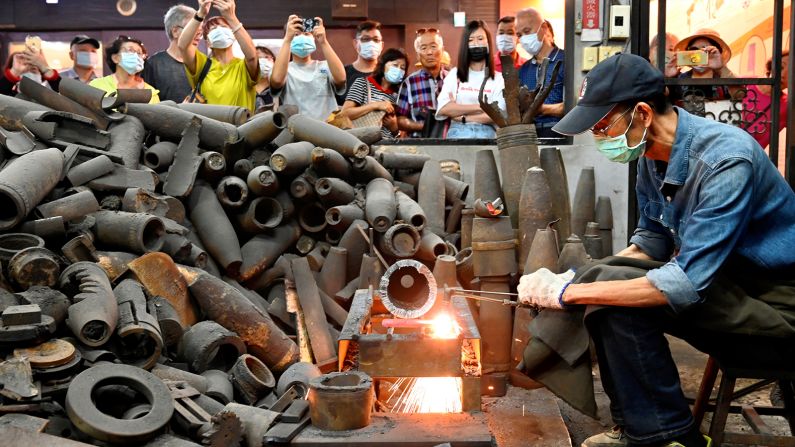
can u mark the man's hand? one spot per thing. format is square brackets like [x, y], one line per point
[544, 288]
[204, 7]
[227, 9]
[319, 31]
[714, 60]
[293, 27]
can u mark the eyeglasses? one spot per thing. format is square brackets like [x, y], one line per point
[603, 131]
[370, 39]
[427, 30]
[124, 39]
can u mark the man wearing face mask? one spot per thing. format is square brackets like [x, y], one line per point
[309, 84]
[705, 263]
[368, 43]
[506, 43]
[229, 80]
[83, 51]
[164, 70]
[538, 39]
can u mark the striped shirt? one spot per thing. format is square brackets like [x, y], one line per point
[528, 76]
[418, 94]
[358, 93]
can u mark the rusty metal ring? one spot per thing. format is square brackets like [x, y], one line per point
[88, 418]
[411, 295]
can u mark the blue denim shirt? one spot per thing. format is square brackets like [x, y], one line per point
[719, 197]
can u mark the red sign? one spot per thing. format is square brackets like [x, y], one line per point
[590, 14]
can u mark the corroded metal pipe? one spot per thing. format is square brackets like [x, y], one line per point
[70, 207]
[341, 217]
[408, 289]
[232, 192]
[25, 182]
[410, 211]
[552, 164]
[380, 207]
[50, 98]
[211, 345]
[227, 306]
[399, 160]
[330, 163]
[234, 115]
[126, 140]
[400, 241]
[262, 128]
[89, 170]
[261, 214]
[169, 122]
[261, 251]
[140, 341]
[214, 228]
[160, 155]
[312, 217]
[325, 135]
[368, 168]
[535, 209]
[292, 158]
[334, 191]
[95, 313]
[141, 233]
[430, 196]
[251, 378]
[13, 109]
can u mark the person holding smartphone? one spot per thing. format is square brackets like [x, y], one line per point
[309, 84]
[718, 54]
[29, 63]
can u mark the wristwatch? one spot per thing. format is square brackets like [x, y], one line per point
[463, 119]
[198, 18]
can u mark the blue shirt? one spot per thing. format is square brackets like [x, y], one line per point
[719, 197]
[528, 76]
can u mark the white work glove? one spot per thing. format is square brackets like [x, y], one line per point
[543, 288]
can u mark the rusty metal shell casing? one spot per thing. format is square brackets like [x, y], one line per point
[444, 270]
[368, 135]
[380, 206]
[430, 196]
[166, 372]
[572, 255]
[583, 208]
[535, 209]
[493, 247]
[341, 217]
[50, 228]
[262, 181]
[251, 378]
[406, 188]
[25, 182]
[333, 191]
[518, 152]
[262, 250]
[467, 214]
[330, 163]
[160, 155]
[487, 178]
[95, 313]
[13, 109]
[284, 137]
[34, 266]
[292, 158]
[50, 98]
[353, 241]
[262, 128]
[261, 214]
[138, 232]
[431, 246]
[331, 277]
[171, 328]
[227, 306]
[552, 164]
[302, 188]
[592, 241]
[368, 168]
[454, 190]
[140, 341]
[408, 289]
[543, 252]
[210, 345]
[71, 207]
[495, 323]
[400, 160]
[234, 115]
[242, 167]
[89, 170]
[213, 166]
[604, 217]
[214, 228]
[341, 401]
[187, 162]
[139, 200]
[400, 241]
[312, 218]
[218, 385]
[126, 140]
[232, 192]
[169, 122]
[410, 211]
[465, 268]
[325, 135]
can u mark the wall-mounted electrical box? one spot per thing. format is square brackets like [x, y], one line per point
[619, 22]
[590, 57]
[607, 51]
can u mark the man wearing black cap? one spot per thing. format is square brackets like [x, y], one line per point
[711, 260]
[83, 51]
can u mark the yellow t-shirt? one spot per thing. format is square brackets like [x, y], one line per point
[109, 84]
[228, 85]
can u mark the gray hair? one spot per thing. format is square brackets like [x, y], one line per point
[177, 15]
[439, 41]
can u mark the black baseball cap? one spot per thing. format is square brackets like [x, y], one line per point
[82, 38]
[619, 78]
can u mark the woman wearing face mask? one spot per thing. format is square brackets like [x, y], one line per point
[125, 56]
[264, 98]
[28, 64]
[378, 92]
[458, 98]
[229, 80]
[718, 55]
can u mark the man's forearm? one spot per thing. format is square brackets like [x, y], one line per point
[335, 66]
[638, 292]
[633, 251]
[409, 125]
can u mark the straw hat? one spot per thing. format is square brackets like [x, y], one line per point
[706, 33]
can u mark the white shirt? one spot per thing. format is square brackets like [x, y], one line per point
[466, 93]
[311, 88]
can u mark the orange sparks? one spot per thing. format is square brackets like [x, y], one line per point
[426, 395]
[444, 326]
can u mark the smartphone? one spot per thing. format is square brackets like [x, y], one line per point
[691, 58]
[310, 24]
[33, 43]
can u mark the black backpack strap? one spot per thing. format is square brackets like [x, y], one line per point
[202, 75]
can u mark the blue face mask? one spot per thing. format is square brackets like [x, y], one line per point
[131, 63]
[617, 149]
[302, 45]
[394, 75]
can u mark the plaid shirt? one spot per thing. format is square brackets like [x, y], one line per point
[528, 76]
[418, 94]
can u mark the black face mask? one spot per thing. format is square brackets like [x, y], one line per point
[477, 54]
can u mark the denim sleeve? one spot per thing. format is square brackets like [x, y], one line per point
[718, 220]
[650, 236]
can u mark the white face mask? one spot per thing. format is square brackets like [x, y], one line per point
[33, 75]
[221, 37]
[86, 59]
[369, 50]
[530, 42]
[265, 66]
[505, 43]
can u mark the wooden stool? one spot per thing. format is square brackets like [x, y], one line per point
[726, 393]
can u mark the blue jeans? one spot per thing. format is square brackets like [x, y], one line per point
[471, 130]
